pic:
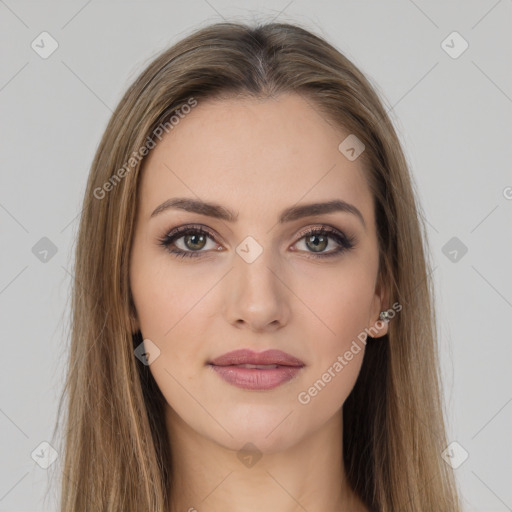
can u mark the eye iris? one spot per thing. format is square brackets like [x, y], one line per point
[195, 237]
[317, 246]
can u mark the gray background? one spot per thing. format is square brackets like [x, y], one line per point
[453, 118]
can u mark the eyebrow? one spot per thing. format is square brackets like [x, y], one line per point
[289, 214]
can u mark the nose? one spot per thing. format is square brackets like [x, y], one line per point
[256, 297]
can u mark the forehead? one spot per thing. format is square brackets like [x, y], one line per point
[255, 156]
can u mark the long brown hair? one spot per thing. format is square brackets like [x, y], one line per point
[116, 454]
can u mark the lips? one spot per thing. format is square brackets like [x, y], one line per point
[248, 359]
[261, 371]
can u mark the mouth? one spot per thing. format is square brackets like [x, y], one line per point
[258, 366]
[248, 357]
[257, 371]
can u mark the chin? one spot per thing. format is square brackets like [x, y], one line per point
[269, 432]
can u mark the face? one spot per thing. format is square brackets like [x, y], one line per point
[303, 285]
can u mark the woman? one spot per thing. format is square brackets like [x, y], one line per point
[252, 319]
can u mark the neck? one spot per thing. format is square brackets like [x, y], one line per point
[307, 476]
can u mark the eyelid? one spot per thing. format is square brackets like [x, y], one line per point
[320, 227]
[345, 242]
[185, 229]
[299, 235]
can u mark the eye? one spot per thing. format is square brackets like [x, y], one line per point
[317, 240]
[187, 241]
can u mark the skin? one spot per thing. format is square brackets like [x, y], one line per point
[255, 157]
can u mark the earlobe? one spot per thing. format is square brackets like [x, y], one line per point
[134, 324]
[381, 324]
[132, 317]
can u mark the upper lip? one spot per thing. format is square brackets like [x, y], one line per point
[246, 356]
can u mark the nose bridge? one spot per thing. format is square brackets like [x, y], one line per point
[258, 297]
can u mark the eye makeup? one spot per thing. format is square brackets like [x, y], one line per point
[198, 232]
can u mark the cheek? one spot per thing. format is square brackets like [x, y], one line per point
[170, 307]
[337, 354]
[339, 300]
[170, 303]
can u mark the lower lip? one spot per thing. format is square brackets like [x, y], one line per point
[253, 378]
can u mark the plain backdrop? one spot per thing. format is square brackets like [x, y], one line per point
[451, 106]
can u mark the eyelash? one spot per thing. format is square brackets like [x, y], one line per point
[345, 242]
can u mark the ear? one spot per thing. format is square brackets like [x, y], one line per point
[134, 322]
[380, 303]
